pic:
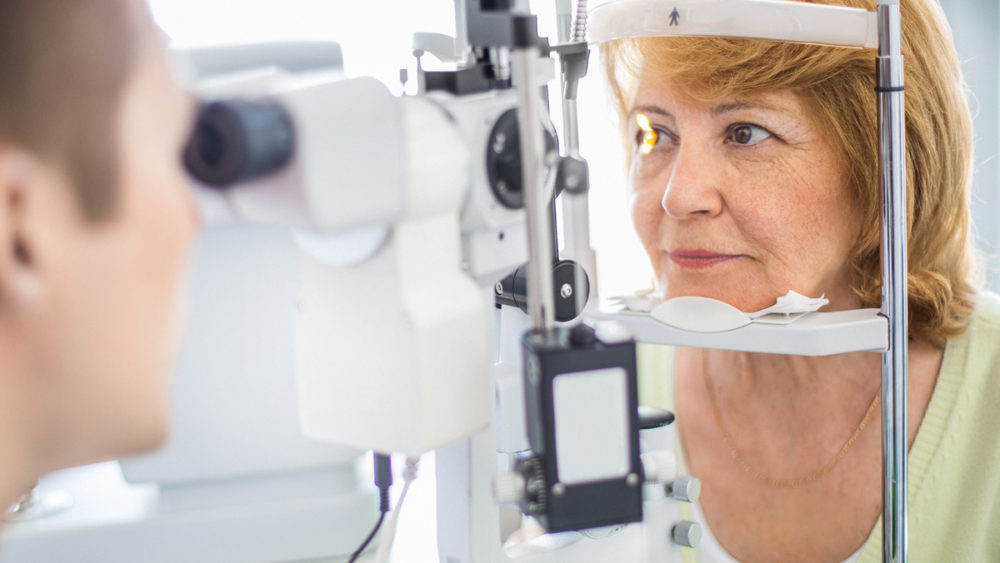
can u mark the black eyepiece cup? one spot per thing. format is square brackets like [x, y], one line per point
[239, 140]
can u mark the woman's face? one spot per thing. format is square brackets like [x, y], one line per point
[741, 199]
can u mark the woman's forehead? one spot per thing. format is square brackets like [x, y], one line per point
[663, 95]
[708, 69]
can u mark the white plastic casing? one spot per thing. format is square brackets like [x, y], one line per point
[391, 354]
[494, 238]
[763, 19]
[348, 167]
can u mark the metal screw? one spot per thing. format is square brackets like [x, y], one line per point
[498, 288]
[632, 480]
[566, 291]
[558, 489]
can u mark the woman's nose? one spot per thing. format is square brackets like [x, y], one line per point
[692, 189]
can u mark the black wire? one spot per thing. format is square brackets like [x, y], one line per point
[383, 480]
[368, 540]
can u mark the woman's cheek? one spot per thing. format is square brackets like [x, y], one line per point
[646, 215]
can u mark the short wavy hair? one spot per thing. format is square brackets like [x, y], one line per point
[838, 88]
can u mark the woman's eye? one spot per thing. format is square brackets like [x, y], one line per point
[746, 134]
[649, 137]
[647, 140]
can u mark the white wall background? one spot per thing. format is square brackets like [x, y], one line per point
[976, 24]
[375, 36]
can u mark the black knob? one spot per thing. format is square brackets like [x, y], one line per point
[582, 336]
[651, 417]
[571, 289]
[503, 159]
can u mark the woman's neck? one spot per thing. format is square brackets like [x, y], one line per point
[768, 400]
[801, 398]
[788, 376]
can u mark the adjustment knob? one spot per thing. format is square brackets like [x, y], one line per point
[685, 489]
[686, 533]
[508, 488]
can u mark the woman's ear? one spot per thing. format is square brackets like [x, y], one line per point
[19, 281]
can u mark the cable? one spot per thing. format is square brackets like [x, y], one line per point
[368, 540]
[409, 474]
[383, 480]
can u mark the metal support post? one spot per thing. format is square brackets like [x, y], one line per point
[537, 198]
[894, 282]
[576, 206]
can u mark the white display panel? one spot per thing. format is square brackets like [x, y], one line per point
[591, 418]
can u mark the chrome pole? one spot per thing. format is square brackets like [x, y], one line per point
[541, 301]
[894, 283]
[576, 207]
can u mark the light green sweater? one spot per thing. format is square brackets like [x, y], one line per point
[954, 463]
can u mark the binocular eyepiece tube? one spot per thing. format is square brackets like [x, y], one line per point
[239, 140]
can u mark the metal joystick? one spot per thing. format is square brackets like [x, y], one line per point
[686, 533]
[685, 489]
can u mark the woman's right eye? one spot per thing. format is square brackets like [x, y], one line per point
[649, 137]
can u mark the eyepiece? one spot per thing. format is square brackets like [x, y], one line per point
[239, 140]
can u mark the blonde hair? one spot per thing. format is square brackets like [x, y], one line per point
[837, 85]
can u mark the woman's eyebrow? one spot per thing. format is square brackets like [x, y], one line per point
[741, 105]
[650, 108]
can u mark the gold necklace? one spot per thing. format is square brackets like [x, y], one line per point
[757, 475]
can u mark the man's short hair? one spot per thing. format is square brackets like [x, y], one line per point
[63, 67]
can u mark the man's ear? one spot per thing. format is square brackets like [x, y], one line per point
[19, 281]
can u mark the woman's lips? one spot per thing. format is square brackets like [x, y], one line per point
[698, 258]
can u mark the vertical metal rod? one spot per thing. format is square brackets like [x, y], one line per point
[564, 20]
[894, 282]
[536, 198]
[576, 207]
[461, 32]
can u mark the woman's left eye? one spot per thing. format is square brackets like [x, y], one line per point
[747, 134]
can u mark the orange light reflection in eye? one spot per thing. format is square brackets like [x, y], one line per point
[649, 135]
